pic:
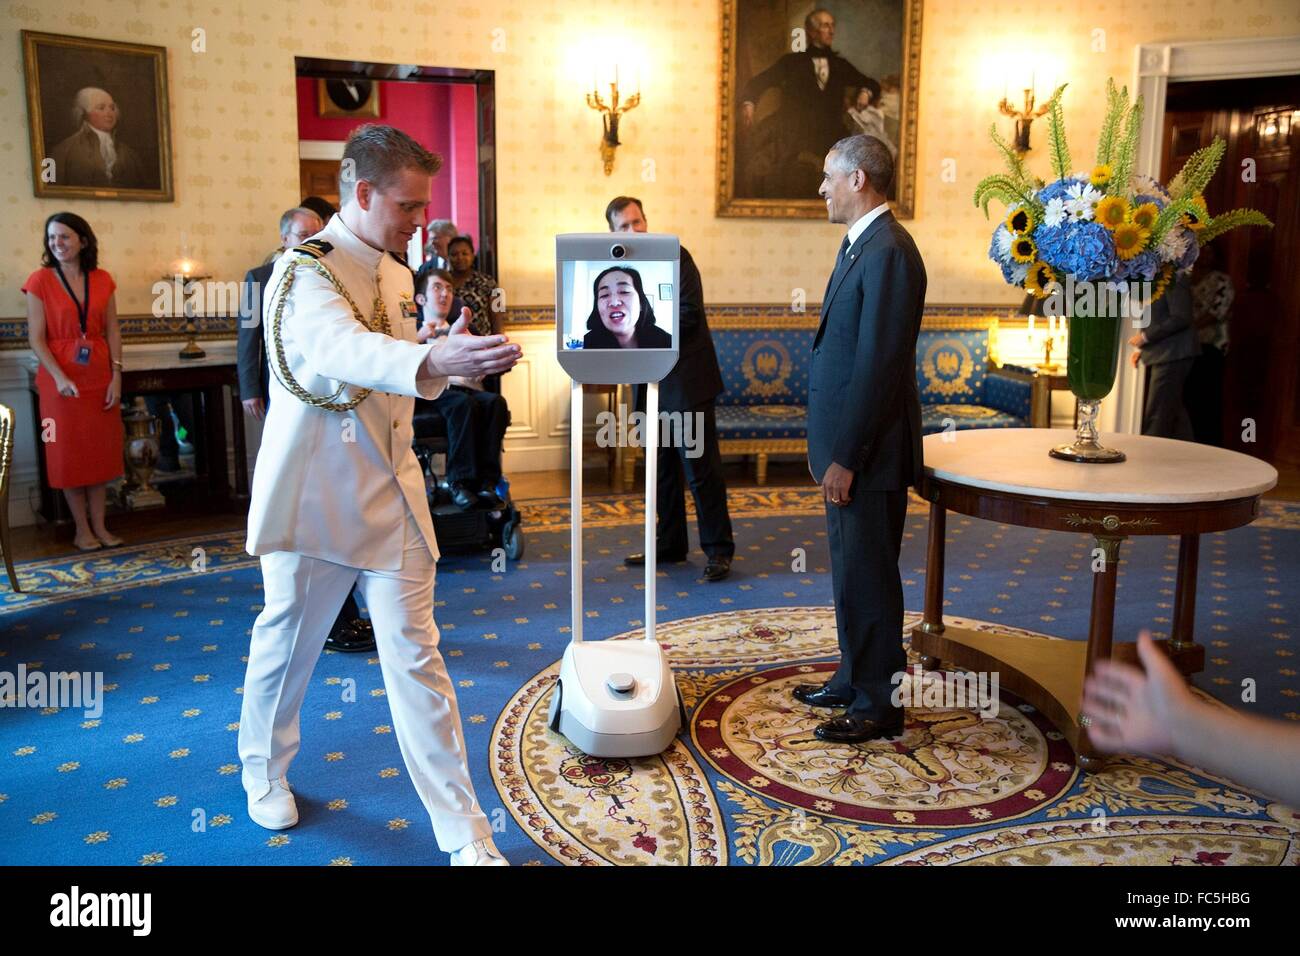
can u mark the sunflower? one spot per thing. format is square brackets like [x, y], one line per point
[1040, 276]
[1023, 249]
[1194, 218]
[1144, 216]
[1163, 278]
[1021, 222]
[1100, 175]
[1111, 211]
[1129, 239]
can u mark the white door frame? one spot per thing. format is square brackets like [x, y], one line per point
[1156, 65]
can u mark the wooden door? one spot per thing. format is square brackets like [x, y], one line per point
[1258, 170]
[319, 177]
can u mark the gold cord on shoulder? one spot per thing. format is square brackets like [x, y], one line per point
[281, 365]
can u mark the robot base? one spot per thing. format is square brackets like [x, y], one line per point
[616, 699]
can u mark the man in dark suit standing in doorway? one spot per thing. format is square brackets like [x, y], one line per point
[864, 435]
[690, 388]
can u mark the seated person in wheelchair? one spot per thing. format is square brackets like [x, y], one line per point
[476, 418]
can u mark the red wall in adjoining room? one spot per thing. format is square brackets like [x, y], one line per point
[439, 116]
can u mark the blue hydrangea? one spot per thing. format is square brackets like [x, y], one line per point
[1144, 265]
[1057, 189]
[1082, 249]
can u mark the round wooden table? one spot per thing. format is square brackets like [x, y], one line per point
[1165, 487]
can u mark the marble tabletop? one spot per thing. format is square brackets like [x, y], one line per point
[1158, 470]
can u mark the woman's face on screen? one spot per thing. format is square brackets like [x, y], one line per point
[618, 304]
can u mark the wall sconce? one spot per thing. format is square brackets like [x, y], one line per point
[610, 112]
[1023, 117]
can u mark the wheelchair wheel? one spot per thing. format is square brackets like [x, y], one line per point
[512, 538]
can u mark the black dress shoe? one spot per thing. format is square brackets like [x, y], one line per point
[352, 637]
[489, 499]
[816, 695]
[462, 495]
[717, 568]
[662, 557]
[855, 730]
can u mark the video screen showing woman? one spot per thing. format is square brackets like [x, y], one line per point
[622, 314]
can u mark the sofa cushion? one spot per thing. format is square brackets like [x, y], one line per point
[966, 416]
[764, 366]
[761, 421]
[950, 365]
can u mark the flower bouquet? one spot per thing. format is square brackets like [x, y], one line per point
[1101, 246]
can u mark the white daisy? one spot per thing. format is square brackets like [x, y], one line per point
[1019, 271]
[1082, 198]
[1054, 212]
[1173, 245]
[1003, 240]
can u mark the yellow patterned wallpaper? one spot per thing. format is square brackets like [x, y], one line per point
[234, 127]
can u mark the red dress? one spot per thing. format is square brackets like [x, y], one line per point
[86, 445]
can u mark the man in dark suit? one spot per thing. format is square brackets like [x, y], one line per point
[689, 389]
[1168, 347]
[351, 632]
[812, 83]
[864, 435]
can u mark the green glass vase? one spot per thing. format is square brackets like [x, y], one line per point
[1091, 363]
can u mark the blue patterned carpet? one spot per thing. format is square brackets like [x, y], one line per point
[156, 778]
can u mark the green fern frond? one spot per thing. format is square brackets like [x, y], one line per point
[1231, 220]
[1116, 108]
[1125, 156]
[1015, 164]
[1004, 188]
[1198, 170]
[1060, 151]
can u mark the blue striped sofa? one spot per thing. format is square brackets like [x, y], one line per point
[765, 366]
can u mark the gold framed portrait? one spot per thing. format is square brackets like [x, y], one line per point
[98, 118]
[795, 81]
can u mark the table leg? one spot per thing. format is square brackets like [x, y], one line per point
[1101, 629]
[1189, 549]
[932, 619]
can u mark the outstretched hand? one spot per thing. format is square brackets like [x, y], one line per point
[1135, 712]
[469, 355]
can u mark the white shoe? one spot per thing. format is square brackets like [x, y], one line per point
[270, 803]
[479, 853]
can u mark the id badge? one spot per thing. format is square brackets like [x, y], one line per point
[83, 354]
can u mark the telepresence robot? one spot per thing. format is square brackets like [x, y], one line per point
[614, 698]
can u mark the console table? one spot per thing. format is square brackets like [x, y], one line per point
[1165, 487]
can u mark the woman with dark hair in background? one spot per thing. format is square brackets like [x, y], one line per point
[621, 314]
[472, 287]
[72, 328]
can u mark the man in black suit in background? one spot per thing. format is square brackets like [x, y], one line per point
[690, 388]
[864, 435]
[351, 632]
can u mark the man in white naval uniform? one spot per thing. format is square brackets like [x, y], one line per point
[339, 498]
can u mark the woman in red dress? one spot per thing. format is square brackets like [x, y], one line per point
[72, 328]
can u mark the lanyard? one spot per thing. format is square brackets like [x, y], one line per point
[83, 307]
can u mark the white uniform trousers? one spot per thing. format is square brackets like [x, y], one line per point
[302, 598]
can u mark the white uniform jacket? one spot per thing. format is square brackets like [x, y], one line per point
[336, 485]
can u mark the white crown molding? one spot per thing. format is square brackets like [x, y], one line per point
[320, 149]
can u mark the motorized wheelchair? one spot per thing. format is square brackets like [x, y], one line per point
[462, 531]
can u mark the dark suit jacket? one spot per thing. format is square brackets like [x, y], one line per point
[863, 408]
[697, 377]
[811, 118]
[1170, 335]
[251, 350]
